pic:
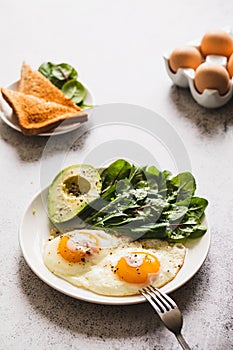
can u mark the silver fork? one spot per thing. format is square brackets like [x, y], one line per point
[167, 310]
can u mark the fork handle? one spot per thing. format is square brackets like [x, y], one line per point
[182, 342]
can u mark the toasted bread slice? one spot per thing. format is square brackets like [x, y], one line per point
[36, 115]
[34, 83]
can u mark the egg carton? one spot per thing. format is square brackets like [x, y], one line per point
[184, 77]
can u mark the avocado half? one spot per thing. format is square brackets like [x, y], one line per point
[71, 190]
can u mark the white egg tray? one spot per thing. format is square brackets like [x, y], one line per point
[184, 77]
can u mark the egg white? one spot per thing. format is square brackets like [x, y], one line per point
[98, 272]
[170, 255]
[61, 267]
[103, 279]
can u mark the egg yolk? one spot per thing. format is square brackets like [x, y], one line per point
[136, 267]
[76, 252]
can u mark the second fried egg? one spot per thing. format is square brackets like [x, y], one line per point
[127, 269]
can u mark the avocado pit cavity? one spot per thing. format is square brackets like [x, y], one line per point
[71, 190]
[76, 185]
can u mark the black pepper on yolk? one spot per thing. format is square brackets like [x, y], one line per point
[75, 252]
[137, 267]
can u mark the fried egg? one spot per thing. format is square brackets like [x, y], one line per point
[73, 253]
[128, 269]
[112, 265]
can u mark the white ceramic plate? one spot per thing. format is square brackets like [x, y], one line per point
[9, 117]
[33, 234]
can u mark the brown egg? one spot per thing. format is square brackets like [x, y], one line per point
[212, 76]
[185, 57]
[217, 42]
[230, 66]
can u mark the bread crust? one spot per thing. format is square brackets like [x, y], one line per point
[35, 115]
[34, 83]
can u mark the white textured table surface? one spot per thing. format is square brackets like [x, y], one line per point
[117, 48]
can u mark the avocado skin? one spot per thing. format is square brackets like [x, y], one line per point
[70, 191]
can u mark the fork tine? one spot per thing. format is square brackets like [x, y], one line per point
[145, 293]
[169, 300]
[160, 298]
[160, 307]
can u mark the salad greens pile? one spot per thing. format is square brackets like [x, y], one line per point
[64, 77]
[144, 202]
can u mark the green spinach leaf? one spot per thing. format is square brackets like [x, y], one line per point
[184, 184]
[64, 76]
[74, 90]
[144, 202]
[116, 171]
[58, 74]
[46, 69]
